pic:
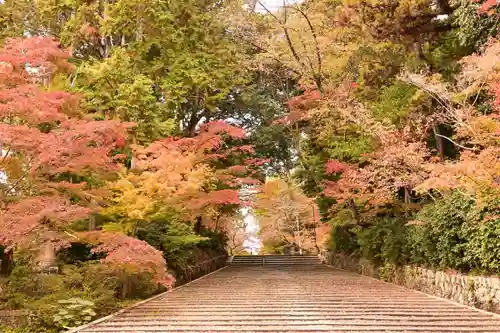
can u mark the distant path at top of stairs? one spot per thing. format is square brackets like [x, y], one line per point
[276, 260]
[293, 297]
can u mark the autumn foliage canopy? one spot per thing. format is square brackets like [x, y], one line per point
[53, 159]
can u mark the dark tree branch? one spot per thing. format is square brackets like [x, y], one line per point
[287, 35]
[260, 48]
[13, 187]
[455, 143]
[316, 43]
[5, 156]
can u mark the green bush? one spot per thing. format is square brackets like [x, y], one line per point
[107, 287]
[483, 248]
[181, 245]
[74, 312]
[448, 225]
[418, 247]
[453, 232]
[273, 247]
[343, 239]
[394, 102]
[7, 329]
[383, 242]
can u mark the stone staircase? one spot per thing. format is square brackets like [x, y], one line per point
[293, 298]
[279, 260]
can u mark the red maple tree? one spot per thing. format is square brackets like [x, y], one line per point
[396, 165]
[298, 106]
[130, 252]
[206, 154]
[335, 166]
[487, 7]
[54, 150]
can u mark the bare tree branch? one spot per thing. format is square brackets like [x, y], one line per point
[315, 38]
[5, 156]
[287, 35]
[455, 143]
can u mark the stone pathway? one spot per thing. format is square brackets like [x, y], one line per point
[294, 298]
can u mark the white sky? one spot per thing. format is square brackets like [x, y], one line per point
[3, 176]
[275, 4]
[271, 4]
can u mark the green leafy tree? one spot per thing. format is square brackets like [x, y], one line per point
[115, 88]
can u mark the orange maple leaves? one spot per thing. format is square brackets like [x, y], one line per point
[39, 129]
[122, 250]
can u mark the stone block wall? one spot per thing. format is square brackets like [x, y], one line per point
[482, 292]
[197, 271]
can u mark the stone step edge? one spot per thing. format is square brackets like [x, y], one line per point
[133, 306]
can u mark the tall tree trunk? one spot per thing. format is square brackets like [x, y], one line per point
[190, 129]
[125, 286]
[315, 235]
[92, 223]
[354, 210]
[5, 262]
[299, 234]
[197, 225]
[439, 141]
[217, 220]
[407, 195]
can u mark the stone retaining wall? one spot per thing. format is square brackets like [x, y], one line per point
[482, 292]
[194, 272]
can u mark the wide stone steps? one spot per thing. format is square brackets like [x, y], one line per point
[275, 260]
[294, 298]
